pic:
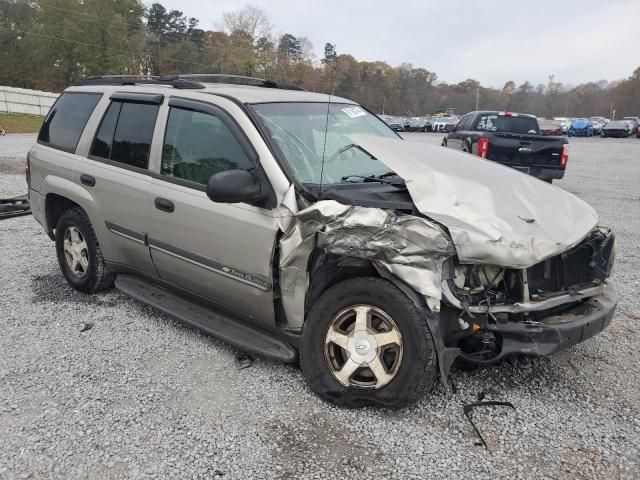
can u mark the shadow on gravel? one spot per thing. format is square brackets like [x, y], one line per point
[52, 287]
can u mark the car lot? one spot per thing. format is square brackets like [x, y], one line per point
[140, 395]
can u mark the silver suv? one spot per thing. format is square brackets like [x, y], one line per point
[301, 227]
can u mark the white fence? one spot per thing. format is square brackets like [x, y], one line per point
[22, 100]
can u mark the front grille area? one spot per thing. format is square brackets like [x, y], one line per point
[587, 263]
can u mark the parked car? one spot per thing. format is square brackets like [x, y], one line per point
[600, 121]
[417, 124]
[298, 225]
[395, 123]
[634, 121]
[580, 127]
[444, 124]
[564, 122]
[616, 128]
[549, 127]
[596, 126]
[511, 139]
[638, 133]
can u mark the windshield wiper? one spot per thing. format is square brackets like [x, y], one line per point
[377, 178]
[390, 173]
[353, 145]
[364, 178]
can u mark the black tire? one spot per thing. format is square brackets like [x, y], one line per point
[97, 277]
[417, 371]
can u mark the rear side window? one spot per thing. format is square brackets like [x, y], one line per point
[508, 124]
[198, 145]
[125, 133]
[66, 120]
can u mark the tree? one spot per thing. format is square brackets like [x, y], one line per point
[249, 19]
[330, 54]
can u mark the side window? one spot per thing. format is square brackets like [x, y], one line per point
[66, 120]
[464, 123]
[198, 145]
[125, 133]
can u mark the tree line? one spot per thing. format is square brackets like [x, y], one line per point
[49, 44]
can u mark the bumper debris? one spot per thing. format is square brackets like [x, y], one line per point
[14, 207]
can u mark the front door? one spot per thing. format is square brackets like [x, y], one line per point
[220, 252]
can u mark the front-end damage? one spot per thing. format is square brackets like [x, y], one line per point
[502, 263]
[410, 248]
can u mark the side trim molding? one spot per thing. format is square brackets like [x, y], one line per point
[126, 232]
[257, 281]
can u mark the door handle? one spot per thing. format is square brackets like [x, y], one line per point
[87, 180]
[164, 204]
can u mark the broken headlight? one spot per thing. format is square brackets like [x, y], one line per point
[478, 278]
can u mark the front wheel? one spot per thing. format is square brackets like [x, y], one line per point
[365, 342]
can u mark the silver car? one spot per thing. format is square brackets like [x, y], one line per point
[301, 227]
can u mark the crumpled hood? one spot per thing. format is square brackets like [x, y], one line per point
[495, 214]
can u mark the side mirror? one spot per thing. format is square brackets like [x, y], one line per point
[234, 186]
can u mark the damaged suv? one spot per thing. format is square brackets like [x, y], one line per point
[301, 227]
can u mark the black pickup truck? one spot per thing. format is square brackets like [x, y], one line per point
[512, 139]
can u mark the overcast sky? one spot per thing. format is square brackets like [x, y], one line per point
[489, 40]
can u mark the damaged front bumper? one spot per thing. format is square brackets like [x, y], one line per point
[556, 332]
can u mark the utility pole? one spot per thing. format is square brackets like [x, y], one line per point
[477, 98]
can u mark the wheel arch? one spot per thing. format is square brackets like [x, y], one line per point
[60, 195]
[326, 270]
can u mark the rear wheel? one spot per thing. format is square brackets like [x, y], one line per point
[79, 253]
[365, 342]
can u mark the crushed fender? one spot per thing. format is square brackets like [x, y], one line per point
[14, 207]
[411, 248]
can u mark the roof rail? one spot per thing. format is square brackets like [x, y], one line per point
[173, 81]
[260, 82]
[183, 81]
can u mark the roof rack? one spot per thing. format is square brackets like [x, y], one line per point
[183, 81]
[260, 82]
[138, 79]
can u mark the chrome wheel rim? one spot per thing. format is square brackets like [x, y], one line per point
[363, 347]
[76, 252]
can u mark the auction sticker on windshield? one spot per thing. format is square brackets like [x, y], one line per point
[354, 112]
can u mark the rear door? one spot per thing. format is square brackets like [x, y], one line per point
[221, 252]
[117, 177]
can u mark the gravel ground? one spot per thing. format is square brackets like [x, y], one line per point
[142, 396]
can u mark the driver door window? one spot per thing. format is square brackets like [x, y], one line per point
[198, 145]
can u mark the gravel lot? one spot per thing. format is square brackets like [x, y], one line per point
[142, 396]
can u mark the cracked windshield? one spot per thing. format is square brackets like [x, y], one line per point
[299, 130]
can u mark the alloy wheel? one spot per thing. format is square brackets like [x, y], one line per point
[76, 252]
[363, 347]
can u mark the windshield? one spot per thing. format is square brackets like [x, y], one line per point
[299, 130]
[508, 124]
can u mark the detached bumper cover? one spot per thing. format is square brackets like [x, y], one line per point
[14, 207]
[557, 332]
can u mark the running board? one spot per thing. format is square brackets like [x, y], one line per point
[243, 336]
